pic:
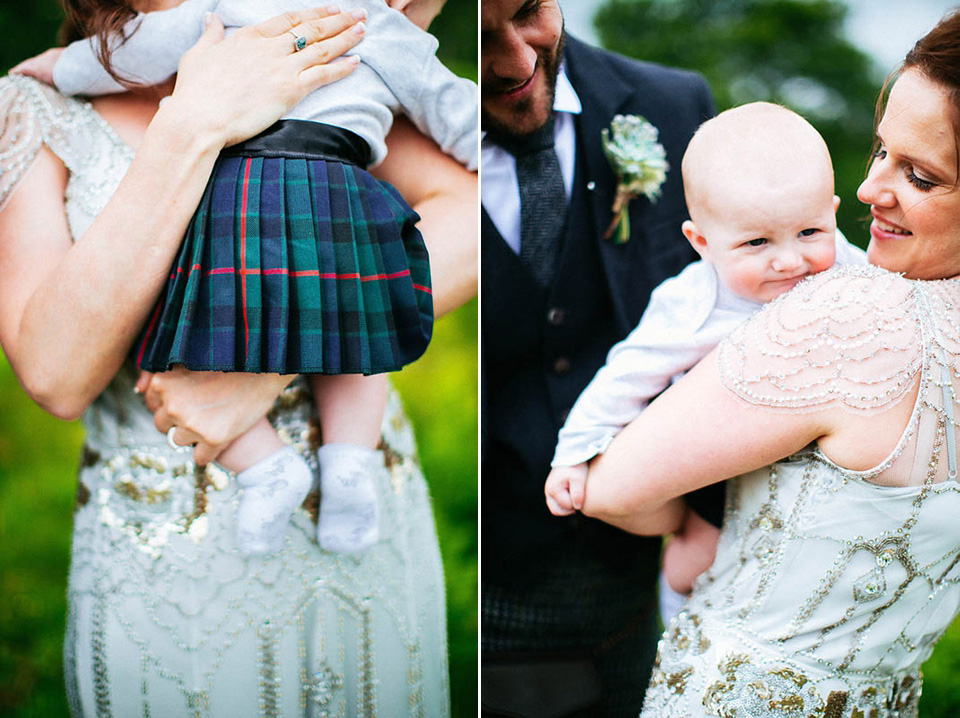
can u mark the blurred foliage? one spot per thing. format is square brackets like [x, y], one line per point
[39, 457]
[791, 52]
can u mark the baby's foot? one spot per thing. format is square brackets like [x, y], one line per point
[272, 490]
[349, 520]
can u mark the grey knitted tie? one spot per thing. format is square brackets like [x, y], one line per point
[543, 202]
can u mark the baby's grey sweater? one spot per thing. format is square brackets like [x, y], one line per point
[399, 71]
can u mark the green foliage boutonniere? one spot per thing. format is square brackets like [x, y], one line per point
[640, 163]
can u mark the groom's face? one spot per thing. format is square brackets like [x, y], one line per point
[521, 45]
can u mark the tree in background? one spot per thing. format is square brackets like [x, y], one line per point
[792, 52]
[39, 455]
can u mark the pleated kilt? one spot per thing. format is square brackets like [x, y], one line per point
[296, 261]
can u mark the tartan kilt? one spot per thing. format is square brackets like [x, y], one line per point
[294, 264]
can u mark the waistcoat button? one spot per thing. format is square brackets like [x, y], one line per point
[555, 316]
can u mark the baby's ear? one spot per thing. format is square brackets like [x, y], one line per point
[697, 240]
[836, 203]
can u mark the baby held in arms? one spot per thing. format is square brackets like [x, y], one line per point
[758, 182]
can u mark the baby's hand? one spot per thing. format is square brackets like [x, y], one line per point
[565, 488]
[39, 67]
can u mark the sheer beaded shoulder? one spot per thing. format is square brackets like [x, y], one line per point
[32, 115]
[20, 135]
[829, 591]
[850, 335]
[166, 617]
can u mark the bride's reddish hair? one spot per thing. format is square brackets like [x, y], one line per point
[103, 19]
[937, 56]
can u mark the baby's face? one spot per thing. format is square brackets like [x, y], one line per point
[764, 242]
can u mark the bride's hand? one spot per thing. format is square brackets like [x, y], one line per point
[209, 408]
[229, 89]
[39, 67]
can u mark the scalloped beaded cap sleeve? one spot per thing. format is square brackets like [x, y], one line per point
[33, 114]
[850, 335]
[21, 135]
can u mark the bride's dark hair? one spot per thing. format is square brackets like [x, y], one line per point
[937, 56]
[103, 19]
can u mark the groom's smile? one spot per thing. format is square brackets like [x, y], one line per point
[521, 46]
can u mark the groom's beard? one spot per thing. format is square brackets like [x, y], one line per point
[529, 114]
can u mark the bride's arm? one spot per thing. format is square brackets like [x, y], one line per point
[697, 432]
[69, 311]
[813, 366]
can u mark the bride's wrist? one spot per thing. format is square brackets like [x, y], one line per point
[179, 129]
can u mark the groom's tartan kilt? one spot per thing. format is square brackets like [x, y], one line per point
[294, 264]
[572, 604]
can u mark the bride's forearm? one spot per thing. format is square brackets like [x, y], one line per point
[652, 521]
[88, 307]
[602, 500]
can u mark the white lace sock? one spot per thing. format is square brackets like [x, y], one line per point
[671, 602]
[272, 490]
[349, 520]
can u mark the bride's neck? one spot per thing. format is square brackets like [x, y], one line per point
[129, 113]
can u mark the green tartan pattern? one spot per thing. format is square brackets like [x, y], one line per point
[294, 265]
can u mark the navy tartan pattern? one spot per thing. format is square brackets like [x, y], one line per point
[294, 265]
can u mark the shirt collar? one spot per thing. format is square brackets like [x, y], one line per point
[566, 99]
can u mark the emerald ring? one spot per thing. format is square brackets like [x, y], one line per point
[299, 41]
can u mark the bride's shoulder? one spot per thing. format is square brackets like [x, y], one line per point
[29, 108]
[850, 334]
[847, 285]
[841, 302]
[26, 92]
[32, 115]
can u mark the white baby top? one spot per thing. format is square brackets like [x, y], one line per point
[688, 315]
[398, 71]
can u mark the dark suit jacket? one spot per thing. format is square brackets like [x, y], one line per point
[676, 102]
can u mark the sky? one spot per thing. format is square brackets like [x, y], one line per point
[885, 29]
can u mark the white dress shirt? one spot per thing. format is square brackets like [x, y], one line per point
[499, 191]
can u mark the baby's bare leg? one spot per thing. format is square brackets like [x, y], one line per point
[256, 444]
[690, 552]
[350, 407]
[351, 410]
[275, 481]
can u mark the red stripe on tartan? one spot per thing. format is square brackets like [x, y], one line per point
[146, 336]
[301, 273]
[243, 259]
[422, 288]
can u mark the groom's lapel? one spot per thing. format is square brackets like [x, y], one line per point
[604, 93]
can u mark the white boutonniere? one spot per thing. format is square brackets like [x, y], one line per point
[640, 163]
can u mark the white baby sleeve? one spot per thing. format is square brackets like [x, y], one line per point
[440, 104]
[151, 53]
[674, 333]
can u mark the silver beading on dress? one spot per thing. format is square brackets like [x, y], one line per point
[166, 617]
[831, 586]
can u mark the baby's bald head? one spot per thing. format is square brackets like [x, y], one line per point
[751, 150]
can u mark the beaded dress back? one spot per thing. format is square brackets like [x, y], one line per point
[831, 586]
[166, 617]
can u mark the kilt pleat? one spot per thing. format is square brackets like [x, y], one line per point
[294, 265]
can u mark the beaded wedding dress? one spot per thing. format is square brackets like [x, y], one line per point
[830, 586]
[166, 618]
